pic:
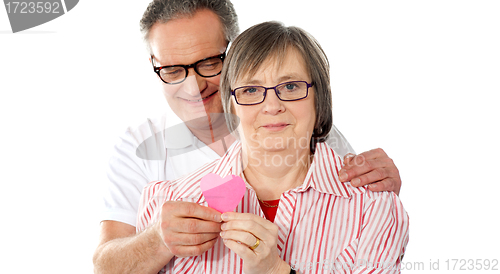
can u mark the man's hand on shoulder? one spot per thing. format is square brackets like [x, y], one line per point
[371, 168]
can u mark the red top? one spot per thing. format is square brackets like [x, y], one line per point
[270, 208]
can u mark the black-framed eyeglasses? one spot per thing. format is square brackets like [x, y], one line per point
[289, 91]
[208, 67]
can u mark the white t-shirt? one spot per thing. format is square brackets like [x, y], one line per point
[159, 151]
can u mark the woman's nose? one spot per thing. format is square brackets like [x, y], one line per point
[272, 104]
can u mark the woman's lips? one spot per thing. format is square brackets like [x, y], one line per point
[276, 126]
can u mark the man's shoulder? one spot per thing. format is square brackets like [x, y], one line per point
[338, 142]
[154, 135]
[150, 125]
[143, 128]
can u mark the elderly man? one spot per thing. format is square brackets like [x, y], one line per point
[187, 42]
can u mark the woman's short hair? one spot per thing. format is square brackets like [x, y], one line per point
[162, 11]
[272, 40]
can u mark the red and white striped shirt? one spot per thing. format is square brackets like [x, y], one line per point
[325, 226]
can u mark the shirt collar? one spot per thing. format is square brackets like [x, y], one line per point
[322, 175]
[230, 162]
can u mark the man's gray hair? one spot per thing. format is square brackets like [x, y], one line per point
[162, 11]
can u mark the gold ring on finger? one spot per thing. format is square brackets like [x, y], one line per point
[257, 243]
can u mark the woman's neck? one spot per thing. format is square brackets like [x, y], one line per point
[272, 173]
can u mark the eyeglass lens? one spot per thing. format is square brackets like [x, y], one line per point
[205, 68]
[289, 91]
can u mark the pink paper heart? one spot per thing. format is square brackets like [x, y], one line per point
[221, 194]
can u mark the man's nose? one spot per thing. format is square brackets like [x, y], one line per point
[194, 83]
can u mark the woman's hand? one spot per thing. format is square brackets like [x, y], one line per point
[242, 231]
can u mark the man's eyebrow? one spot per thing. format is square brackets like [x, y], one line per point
[157, 62]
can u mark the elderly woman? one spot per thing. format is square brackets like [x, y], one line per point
[295, 215]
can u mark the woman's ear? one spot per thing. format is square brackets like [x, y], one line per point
[235, 120]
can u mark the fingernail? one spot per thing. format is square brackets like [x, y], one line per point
[342, 175]
[222, 233]
[224, 217]
[355, 182]
[218, 218]
[223, 226]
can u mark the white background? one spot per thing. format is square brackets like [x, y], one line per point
[418, 78]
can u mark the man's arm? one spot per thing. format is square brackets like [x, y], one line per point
[372, 168]
[121, 250]
[184, 229]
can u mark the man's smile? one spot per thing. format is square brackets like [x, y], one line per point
[201, 99]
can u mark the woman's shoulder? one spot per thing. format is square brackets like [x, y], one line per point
[156, 193]
[333, 162]
[379, 205]
[189, 182]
